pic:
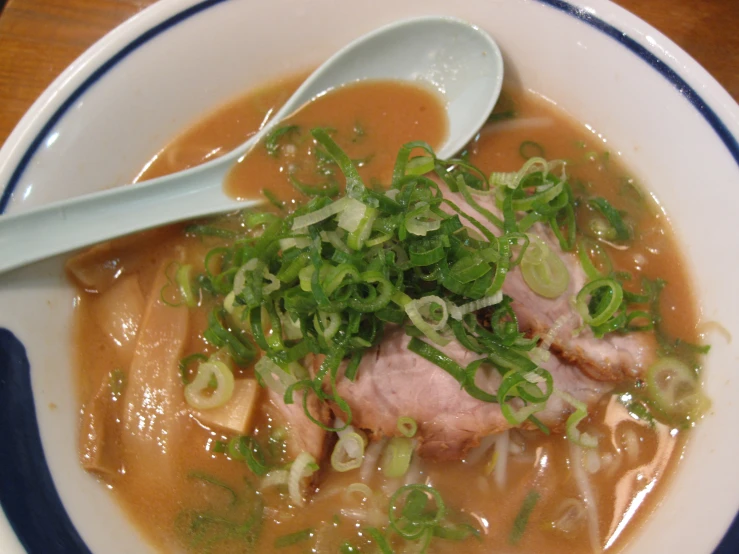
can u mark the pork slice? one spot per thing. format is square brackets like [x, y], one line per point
[393, 382]
[614, 358]
[303, 435]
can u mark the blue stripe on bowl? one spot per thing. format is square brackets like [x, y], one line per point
[661, 67]
[27, 493]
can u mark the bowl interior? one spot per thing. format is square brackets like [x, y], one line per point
[133, 92]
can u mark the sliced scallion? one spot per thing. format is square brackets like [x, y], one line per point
[530, 149]
[616, 227]
[303, 466]
[196, 392]
[522, 518]
[410, 513]
[272, 142]
[543, 270]
[294, 538]
[348, 452]
[407, 426]
[396, 457]
[248, 450]
[573, 420]
[606, 294]
[675, 389]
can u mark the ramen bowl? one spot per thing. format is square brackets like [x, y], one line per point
[98, 124]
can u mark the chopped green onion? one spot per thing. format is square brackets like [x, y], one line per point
[275, 478]
[247, 449]
[407, 426]
[313, 217]
[465, 376]
[518, 384]
[490, 216]
[358, 236]
[327, 189]
[532, 165]
[302, 467]
[211, 480]
[422, 221]
[420, 165]
[196, 392]
[592, 254]
[360, 488]
[543, 271]
[276, 202]
[418, 313]
[218, 335]
[458, 532]
[530, 149]
[458, 312]
[186, 361]
[544, 195]
[348, 452]
[273, 376]
[522, 519]
[675, 389]
[294, 538]
[271, 143]
[581, 412]
[335, 238]
[209, 231]
[609, 295]
[354, 186]
[396, 457]
[382, 544]
[209, 526]
[184, 283]
[616, 228]
[351, 215]
[410, 515]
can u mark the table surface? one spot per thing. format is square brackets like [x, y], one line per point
[39, 38]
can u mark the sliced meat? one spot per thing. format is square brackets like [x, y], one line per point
[613, 358]
[394, 382]
[303, 434]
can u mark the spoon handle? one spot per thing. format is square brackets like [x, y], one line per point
[82, 221]
[449, 55]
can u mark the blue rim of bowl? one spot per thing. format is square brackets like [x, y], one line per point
[27, 492]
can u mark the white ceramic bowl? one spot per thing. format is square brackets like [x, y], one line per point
[99, 122]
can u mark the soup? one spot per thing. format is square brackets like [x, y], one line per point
[480, 355]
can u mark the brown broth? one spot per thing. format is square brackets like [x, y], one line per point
[626, 491]
[223, 130]
[370, 122]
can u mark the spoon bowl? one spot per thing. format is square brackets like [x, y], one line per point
[459, 60]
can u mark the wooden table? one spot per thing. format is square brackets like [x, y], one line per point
[39, 38]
